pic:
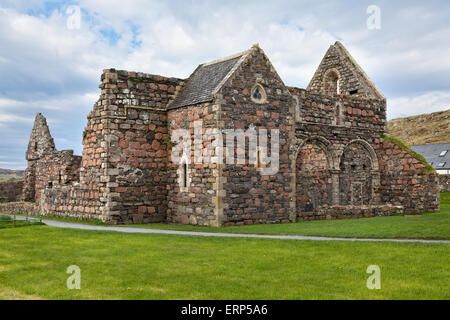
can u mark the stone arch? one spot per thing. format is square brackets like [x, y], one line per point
[359, 176]
[313, 164]
[322, 143]
[369, 149]
[332, 82]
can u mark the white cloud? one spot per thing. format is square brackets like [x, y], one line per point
[47, 67]
[424, 103]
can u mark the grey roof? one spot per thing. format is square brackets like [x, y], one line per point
[431, 153]
[205, 81]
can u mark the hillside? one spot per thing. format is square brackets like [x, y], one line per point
[7, 174]
[425, 128]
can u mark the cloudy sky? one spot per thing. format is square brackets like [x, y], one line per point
[52, 64]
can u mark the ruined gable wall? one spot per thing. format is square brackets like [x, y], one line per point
[195, 205]
[248, 196]
[403, 182]
[80, 197]
[352, 79]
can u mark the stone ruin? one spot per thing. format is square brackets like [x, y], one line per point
[334, 158]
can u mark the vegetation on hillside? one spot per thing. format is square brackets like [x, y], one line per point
[421, 129]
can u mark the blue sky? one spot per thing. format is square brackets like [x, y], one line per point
[47, 67]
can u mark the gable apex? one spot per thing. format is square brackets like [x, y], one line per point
[339, 73]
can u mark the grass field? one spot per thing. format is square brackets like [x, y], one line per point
[6, 221]
[33, 263]
[424, 226]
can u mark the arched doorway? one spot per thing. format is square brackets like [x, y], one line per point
[313, 178]
[356, 174]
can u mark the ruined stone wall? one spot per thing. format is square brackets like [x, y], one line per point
[406, 180]
[444, 182]
[19, 207]
[122, 178]
[248, 196]
[11, 191]
[56, 168]
[136, 143]
[194, 204]
[342, 111]
[339, 74]
[357, 156]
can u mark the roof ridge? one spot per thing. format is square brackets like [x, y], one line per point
[234, 56]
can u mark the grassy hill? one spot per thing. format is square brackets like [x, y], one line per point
[425, 128]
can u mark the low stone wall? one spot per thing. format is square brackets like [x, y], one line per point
[11, 191]
[351, 212]
[444, 182]
[74, 201]
[28, 208]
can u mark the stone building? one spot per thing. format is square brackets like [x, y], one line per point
[334, 158]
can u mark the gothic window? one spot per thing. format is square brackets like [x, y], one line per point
[258, 94]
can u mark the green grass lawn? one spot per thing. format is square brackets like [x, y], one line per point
[6, 221]
[422, 226]
[33, 263]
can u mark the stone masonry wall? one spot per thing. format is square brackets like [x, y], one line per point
[56, 168]
[339, 74]
[362, 123]
[331, 144]
[248, 196]
[136, 145]
[11, 191]
[194, 204]
[123, 169]
[405, 180]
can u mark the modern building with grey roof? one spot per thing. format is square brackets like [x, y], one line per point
[437, 155]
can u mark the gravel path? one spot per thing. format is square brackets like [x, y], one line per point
[68, 225]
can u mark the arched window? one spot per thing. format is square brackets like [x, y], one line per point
[331, 82]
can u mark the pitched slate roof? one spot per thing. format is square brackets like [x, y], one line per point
[431, 153]
[206, 80]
